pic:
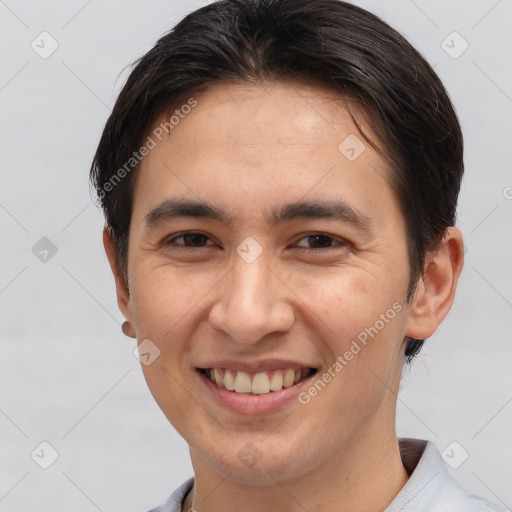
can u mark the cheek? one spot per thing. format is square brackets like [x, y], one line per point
[348, 300]
[360, 319]
[166, 299]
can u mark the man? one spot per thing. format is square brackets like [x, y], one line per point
[280, 179]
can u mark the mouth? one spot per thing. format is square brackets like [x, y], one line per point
[259, 383]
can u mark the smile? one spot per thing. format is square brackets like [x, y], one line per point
[259, 383]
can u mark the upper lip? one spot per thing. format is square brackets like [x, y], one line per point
[255, 366]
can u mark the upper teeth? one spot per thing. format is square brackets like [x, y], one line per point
[261, 383]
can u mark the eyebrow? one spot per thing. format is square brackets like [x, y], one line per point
[325, 209]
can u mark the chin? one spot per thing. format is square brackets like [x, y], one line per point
[256, 463]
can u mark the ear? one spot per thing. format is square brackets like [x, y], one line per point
[435, 290]
[123, 294]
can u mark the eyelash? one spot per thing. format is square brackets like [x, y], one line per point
[342, 243]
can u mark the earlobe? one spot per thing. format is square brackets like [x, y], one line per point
[435, 290]
[123, 294]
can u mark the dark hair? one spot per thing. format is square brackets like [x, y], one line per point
[327, 42]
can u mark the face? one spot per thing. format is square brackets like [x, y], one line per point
[267, 250]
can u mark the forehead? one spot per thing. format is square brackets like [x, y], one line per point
[263, 142]
[283, 114]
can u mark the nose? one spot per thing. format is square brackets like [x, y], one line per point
[252, 303]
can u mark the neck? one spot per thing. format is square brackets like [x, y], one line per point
[360, 478]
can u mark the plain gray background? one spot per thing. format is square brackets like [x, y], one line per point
[68, 376]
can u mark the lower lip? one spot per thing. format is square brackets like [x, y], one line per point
[245, 403]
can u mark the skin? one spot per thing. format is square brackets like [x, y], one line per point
[247, 149]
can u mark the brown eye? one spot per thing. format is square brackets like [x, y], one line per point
[188, 240]
[318, 241]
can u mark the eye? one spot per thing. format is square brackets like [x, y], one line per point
[321, 241]
[314, 242]
[186, 240]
